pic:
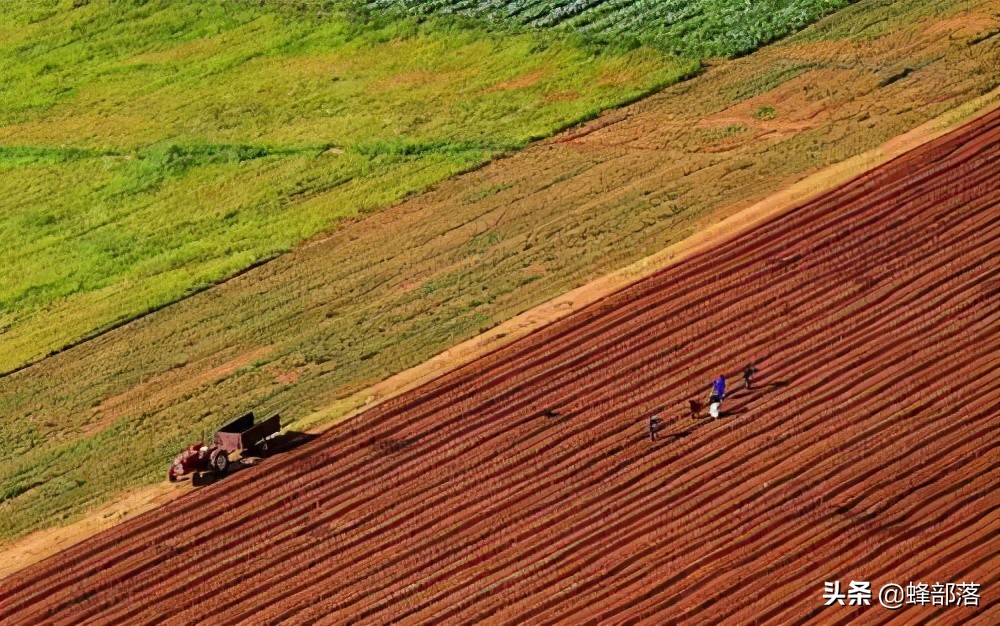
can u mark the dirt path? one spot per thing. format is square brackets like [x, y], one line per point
[523, 487]
[44, 543]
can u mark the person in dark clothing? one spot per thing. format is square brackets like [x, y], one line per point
[695, 408]
[748, 373]
[654, 426]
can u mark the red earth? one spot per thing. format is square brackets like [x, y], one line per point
[524, 488]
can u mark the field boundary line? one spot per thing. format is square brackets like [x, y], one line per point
[743, 220]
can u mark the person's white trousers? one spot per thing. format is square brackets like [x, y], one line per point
[713, 410]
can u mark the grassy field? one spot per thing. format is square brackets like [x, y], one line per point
[148, 149]
[386, 291]
[701, 27]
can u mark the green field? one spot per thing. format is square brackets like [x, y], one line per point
[686, 27]
[149, 149]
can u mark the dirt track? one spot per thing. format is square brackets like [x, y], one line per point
[869, 451]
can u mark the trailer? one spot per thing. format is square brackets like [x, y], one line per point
[240, 436]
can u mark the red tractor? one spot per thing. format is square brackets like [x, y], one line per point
[196, 459]
[241, 435]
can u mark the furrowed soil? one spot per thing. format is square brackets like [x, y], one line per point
[524, 488]
[304, 333]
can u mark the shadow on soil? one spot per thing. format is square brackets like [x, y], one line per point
[669, 437]
[758, 390]
[697, 410]
[388, 445]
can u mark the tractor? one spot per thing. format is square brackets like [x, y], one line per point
[241, 436]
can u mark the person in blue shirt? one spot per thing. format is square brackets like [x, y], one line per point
[718, 393]
[718, 389]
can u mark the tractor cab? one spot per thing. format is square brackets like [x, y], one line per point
[197, 458]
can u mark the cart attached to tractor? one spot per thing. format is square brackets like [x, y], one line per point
[240, 436]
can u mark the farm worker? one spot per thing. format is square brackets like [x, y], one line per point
[718, 389]
[695, 407]
[654, 426]
[718, 394]
[748, 373]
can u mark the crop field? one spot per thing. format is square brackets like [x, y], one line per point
[700, 27]
[150, 149]
[524, 488]
[307, 332]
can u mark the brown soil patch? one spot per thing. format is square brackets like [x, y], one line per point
[289, 378]
[797, 106]
[410, 284]
[414, 79]
[965, 26]
[163, 388]
[527, 79]
[562, 96]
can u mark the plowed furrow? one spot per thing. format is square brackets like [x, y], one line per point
[963, 235]
[874, 313]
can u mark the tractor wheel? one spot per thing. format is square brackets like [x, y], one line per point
[221, 463]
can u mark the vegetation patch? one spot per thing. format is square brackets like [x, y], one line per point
[151, 149]
[765, 112]
[685, 27]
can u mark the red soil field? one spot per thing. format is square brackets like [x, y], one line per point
[524, 488]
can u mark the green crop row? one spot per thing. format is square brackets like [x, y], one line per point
[685, 27]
